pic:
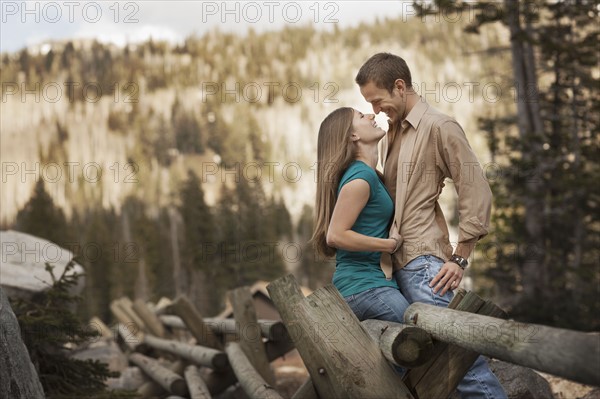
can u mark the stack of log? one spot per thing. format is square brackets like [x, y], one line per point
[157, 340]
[186, 355]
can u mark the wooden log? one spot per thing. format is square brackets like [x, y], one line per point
[459, 295]
[172, 321]
[250, 335]
[166, 378]
[252, 382]
[234, 392]
[162, 305]
[127, 306]
[343, 361]
[149, 319]
[183, 308]
[217, 382]
[152, 389]
[306, 391]
[200, 355]
[440, 376]
[278, 349]
[195, 383]
[131, 338]
[401, 344]
[98, 325]
[570, 354]
[273, 330]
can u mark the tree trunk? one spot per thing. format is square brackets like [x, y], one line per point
[17, 373]
[529, 122]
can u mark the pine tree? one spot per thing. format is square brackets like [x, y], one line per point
[199, 241]
[47, 325]
[41, 218]
[546, 215]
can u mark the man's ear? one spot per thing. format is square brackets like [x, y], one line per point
[400, 85]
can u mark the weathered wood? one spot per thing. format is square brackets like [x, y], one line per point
[128, 329]
[172, 321]
[152, 389]
[273, 330]
[200, 355]
[439, 376]
[195, 383]
[569, 354]
[306, 391]
[401, 344]
[127, 307]
[459, 294]
[183, 308]
[234, 392]
[278, 349]
[217, 382]
[166, 378]
[98, 325]
[18, 376]
[150, 320]
[250, 335]
[131, 338]
[343, 361]
[252, 382]
[162, 305]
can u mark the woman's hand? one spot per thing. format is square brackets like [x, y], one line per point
[396, 241]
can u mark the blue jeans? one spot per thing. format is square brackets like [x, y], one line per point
[381, 303]
[413, 280]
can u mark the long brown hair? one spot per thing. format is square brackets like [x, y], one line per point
[335, 152]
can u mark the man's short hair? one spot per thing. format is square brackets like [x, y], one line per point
[383, 69]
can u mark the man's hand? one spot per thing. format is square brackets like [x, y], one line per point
[448, 278]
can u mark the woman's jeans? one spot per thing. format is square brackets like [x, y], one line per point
[381, 303]
[413, 280]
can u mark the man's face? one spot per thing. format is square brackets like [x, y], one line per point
[394, 104]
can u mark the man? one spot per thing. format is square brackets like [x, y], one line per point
[422, 148]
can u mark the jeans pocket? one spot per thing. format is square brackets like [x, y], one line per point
[416, 265]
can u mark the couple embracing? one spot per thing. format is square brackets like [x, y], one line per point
[392, 223]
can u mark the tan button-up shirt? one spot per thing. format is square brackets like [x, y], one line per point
[422, 151]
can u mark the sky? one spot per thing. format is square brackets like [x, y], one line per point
[26, 23]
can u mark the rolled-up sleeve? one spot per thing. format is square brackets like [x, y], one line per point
[458, 161]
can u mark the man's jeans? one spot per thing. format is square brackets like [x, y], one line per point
[413, 280]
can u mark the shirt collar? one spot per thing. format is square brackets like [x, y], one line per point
[416, 113]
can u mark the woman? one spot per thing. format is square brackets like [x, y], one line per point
[353, 210]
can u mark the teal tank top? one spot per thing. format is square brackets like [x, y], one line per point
[356, 271]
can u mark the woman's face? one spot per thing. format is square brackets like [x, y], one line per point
[365, 128]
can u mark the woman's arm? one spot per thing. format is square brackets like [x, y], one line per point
[350, 202]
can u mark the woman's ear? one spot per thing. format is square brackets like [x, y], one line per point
[354, 137]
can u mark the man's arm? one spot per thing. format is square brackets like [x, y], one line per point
[457, 159]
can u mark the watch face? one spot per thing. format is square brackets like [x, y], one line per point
[459, 260]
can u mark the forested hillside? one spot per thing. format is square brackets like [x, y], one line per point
[190, 168]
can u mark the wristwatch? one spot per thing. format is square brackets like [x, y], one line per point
[459, 260]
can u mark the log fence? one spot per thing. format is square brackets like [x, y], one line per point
[345, 358]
